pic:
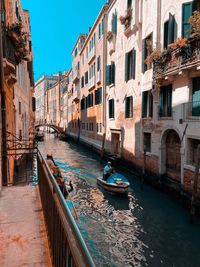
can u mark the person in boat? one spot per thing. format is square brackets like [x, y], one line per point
[107, 171]
[50, 162]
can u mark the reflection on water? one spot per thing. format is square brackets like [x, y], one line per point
[142, 229]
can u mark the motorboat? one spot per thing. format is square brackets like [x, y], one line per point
[116, 183]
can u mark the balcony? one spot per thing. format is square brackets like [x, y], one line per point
[76, 75]
[98, 76]
[9, 56]
[76, 96]
[191, 111]
[173, 61]
[91, 55]
[91, 83]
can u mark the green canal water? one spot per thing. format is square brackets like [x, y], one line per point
[145, 228]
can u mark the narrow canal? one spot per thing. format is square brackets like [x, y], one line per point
[146, 228]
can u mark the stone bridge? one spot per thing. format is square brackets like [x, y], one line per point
[52, 126]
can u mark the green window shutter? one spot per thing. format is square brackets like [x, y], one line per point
[144, 55]
[102, 26]
[171, 28]
[166, 27]
[144, 104]
[108, 72]
[100, 95]
[126, 66]
[151, 105]
[115, 23]
[187, 10]
[112, 70]
[133, 62]
[169, 102]
[113, 108]
[161, 102]
[196, 97]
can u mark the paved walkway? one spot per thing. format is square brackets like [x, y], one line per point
[23, 239]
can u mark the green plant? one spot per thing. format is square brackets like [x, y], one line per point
[179, 43]
[194, 21]
[126, 19]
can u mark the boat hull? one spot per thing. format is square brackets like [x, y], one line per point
[114, 188]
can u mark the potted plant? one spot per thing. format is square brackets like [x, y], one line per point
[126, 19]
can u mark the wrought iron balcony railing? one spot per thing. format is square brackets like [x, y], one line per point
[191, 111]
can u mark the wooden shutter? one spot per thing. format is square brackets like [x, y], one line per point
[171, 28]
[108, 74]
[133, 63]
[144, 55]
[100, 95]
[33, 104]
[126, 66]
[112, 71]
[166, 27]
[187, 9]
[150, 105]
[169, 100]
[161, 102]
[144, 104]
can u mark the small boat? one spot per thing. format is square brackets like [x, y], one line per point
[39, 136]
[116, 183]
[62, 137]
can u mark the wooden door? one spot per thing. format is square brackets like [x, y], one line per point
[173, 156]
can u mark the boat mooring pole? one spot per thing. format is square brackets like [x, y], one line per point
[143, 170]
[195, 187]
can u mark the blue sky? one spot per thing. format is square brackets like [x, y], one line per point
[55, 26]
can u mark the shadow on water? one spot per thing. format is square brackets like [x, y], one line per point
[144, 228]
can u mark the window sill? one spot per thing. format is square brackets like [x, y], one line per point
[111, 119]
[129, 118]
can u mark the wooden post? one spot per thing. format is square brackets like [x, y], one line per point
[143, 170]
[195, 187]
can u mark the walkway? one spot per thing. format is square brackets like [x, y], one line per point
[23, 239]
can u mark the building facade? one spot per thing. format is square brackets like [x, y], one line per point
[17, 102]
[133, 90]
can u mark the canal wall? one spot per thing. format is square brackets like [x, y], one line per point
[161, 183]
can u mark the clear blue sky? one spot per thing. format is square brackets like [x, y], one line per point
[55, 26]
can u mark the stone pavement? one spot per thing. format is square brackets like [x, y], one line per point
[23, 240]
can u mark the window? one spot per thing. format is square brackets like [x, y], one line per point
[91, 126]
[110, 74]
[86, 77]
[89, 100]
[83, 126]
[192, 150]
[82, 81]
[99, 127]
[20, 134]
[147, 47]
[99, 30]
[147, 142]
[165, 107]
[98, 96]
[196, 96]
[170, 30]
[102, 26]
[33, 104]
[87, 126]
[82, 103]
[147, 104]
[20, 108]
[98, 63]
[114, 23]
[76, 52]
[130, 65]
[187, 10]
[111, 109]
[129, 107]
[129, 3]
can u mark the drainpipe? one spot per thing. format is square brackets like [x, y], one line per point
[104, 82]
[158, 39]
[3, 106]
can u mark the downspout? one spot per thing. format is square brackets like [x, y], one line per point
[104, 82]
[4, 165]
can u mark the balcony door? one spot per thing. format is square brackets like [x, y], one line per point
[196, 97]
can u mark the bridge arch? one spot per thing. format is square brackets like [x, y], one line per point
[52, 126]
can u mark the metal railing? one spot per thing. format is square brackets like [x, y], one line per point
[66, 243]
[191, 111]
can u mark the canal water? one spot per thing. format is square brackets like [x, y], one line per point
[146, 228]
